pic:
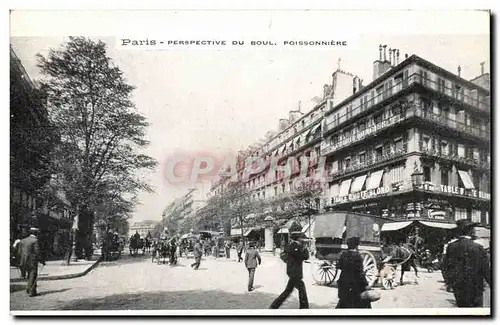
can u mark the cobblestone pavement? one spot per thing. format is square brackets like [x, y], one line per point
[137, 283]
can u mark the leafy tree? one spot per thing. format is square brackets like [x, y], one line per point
[101, 132]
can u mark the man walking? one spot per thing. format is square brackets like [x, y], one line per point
[293, 256]
[467, 267]
[30, 255]
[240, 251]
[252, 258]
[198, 252]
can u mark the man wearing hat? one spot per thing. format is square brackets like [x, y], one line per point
[467, 267]
[252, 259]
[30, 255]
[294, 255]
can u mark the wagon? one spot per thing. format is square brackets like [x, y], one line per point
[331, 232]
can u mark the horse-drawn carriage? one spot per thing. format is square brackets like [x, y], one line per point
[331, 232]
[136, 244]
[164, 251]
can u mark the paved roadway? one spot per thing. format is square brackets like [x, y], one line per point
[136, 283]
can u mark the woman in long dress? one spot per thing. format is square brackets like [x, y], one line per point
[352, 281]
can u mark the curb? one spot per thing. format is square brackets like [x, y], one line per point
[61, 277]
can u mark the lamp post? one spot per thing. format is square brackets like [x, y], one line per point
[417, 179]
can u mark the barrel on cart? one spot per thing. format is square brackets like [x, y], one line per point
[331, 231]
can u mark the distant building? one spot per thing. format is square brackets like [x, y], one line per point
[142, 227]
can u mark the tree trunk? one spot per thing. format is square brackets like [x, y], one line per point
[84, 233]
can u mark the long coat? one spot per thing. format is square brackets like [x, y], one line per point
[296, 255]
[252, 257]
[352, 281]
[467, 266]
[30, 252]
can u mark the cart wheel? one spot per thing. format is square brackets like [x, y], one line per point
[323, 273]
[369, 267]
[387, 275]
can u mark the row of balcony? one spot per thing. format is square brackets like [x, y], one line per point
[411, 112]
[414, 79]
[473, 162]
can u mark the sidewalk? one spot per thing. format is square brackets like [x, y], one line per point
[57, 270]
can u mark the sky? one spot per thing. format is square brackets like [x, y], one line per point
[218, 100]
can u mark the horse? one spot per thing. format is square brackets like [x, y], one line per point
[147, 245]
[135, 245]
[403, 255]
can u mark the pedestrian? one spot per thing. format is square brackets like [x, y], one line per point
[467, 266]
[294, 255]
[252, 259]
[198, 252]
[352, 281]
[274, 249]
[240, 250]
[17, 251]
[30, 256]
[228, 249]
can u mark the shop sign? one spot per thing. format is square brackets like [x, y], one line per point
[363, 194]
[462, 191]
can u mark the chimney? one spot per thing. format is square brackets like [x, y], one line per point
[385, 56]
[397, 57]
[482, 68]
[406, 56]
[380, 52]
[459, 69]
[393, 57]
[354, 85]
[390, 56]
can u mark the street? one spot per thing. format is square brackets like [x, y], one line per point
[137, 283]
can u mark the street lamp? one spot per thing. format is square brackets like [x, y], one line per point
[417, 179]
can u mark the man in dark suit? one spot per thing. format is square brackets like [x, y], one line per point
[198, 252]
[30, 256]
[467, 267]
[252, 257]
[294, 255]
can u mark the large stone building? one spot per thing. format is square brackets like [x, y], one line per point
[413, 144]
[142, 227]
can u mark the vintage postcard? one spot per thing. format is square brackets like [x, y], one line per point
[250, 162]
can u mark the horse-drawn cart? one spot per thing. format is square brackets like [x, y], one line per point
[331, 232]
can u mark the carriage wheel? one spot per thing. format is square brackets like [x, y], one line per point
[323, 273]
[387, 275]
[369, 267]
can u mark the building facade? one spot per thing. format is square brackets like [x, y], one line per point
[142, 227]
[413, 144]
[35, 199]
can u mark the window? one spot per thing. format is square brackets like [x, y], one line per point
[444, 148]
[441, 85]
[389, 88]
[347, 163]
[487, 217]
[347, 133]
[387, 148]
[476, 215]
[423, 77]
[398, 144]
[460, 213]
[444, 176]
[405, 78]
[427, 174]
[365, 103]
[335, 139]
[362, 158]
[461, 150]
[426, 142]
[377, 118]
[397, 173]
[378, 153]
[349, 112]
[361, 126]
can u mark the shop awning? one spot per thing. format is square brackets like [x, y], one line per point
[438, 224]
[374, 180]
[330, 225]
[391, 226]
[283, 231]
[466, 179]
[344, 188]
[313, 130]
[358, 183]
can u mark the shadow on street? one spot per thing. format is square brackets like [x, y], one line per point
[194, 299]
[126, 259]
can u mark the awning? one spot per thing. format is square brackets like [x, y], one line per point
[237, 232]
[344, 188]
[330, 225]
[391, 226]
[283, 231]
[358, 183]
[438, 224]
[314, 129]
[248, 232]
[466, 179]
[481, 232]
[374, 180]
